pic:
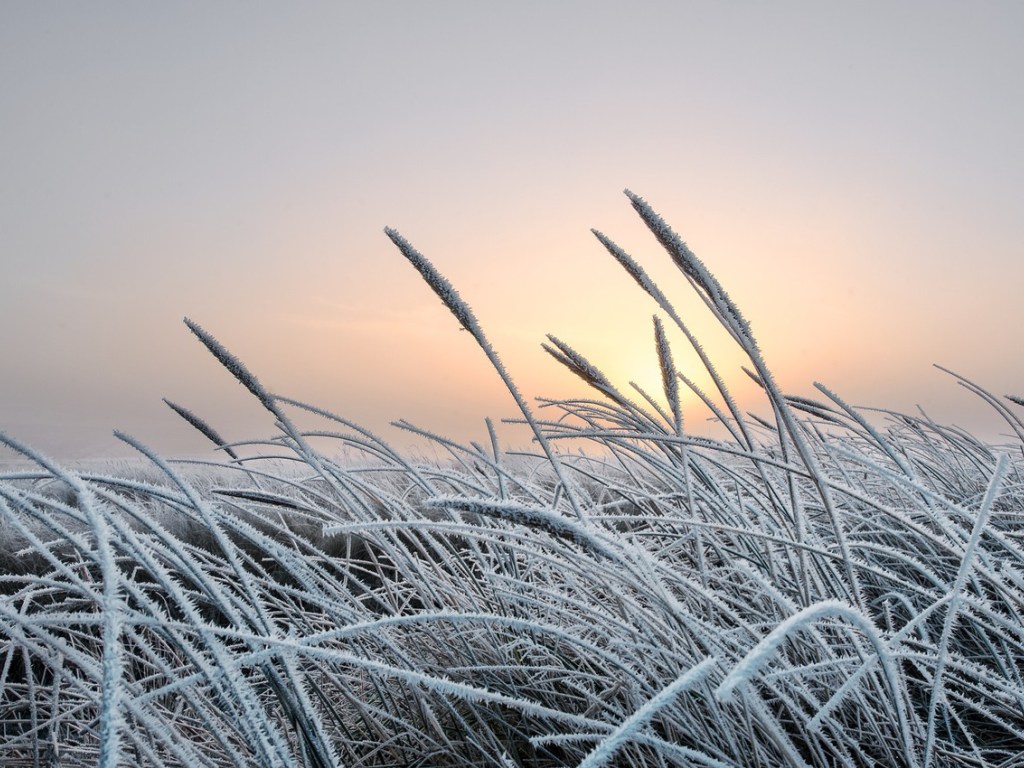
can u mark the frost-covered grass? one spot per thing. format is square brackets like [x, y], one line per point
[814, 589]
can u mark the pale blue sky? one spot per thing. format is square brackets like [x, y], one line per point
[852, 172]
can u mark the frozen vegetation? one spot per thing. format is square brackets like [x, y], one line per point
[813, 589]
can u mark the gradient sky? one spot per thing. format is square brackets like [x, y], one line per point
[853, 173]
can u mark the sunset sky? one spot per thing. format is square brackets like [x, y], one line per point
[853, 173]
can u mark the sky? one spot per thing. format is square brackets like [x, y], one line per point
[853, 173]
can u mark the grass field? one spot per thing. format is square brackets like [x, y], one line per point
[814, 588]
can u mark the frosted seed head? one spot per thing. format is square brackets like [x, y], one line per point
[232, 363]
[437, 282]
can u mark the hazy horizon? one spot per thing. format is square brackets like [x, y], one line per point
[851, 173]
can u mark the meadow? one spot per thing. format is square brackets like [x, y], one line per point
[819, 586]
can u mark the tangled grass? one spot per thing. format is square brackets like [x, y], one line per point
[814, 589]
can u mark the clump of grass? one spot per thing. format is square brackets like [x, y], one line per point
[816, 588]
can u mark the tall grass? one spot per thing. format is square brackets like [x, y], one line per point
[816, 588]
